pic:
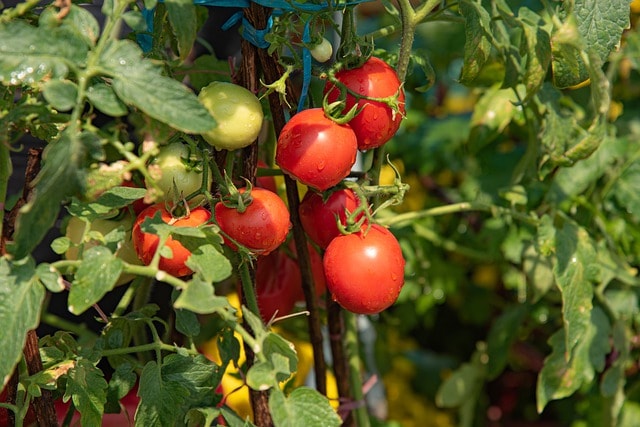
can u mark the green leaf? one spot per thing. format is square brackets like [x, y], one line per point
[537, 46]
[304, 407]
[209, 263]
[21, 298]
[107, 204]
[88, 390]
[539, 272]
[574, 270]
[477, 46]
[187, 322]
[104, 99]
[502, 335]
[78, 20]
[591, 25]
[135, 20]
[198, 296]
[30, 54]
[566, 370]
[460, 386]
[61, 94]
[491, 115]
[50, 277]
[138, 82]
[61, 176]
[121, 383]
[96, 276]
[233, 420]
[197, 374]
[203, 417]
[182, 15]
[160, 400]
[625, 190]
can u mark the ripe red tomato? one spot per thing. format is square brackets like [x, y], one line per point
[315, 150]
[262, 227]
[279, 280]
[268, 182]
[377, 122]
[364, 270]
[319, 217]
[146, 244]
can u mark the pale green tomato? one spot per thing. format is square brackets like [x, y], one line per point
[323, 51]
[177, 162]
[76, 229]
[237, 112]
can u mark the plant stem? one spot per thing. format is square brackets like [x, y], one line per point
[457, 208]
[360, 413]
[248, 290]
[6, 168]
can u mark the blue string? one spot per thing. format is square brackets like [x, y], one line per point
[256, 36]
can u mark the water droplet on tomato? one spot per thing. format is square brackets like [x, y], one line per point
[321, 165]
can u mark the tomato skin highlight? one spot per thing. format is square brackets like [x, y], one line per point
[365, 272]
[146, 244]
[262, 227]
[318, 216]
[376, 123]
[315, 150]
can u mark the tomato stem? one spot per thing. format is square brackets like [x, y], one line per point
[355, 368]
[248, 289]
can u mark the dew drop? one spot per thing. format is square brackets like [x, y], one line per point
[321, 165]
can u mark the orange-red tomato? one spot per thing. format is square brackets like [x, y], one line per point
[146, 244]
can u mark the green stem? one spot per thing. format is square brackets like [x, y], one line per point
[6, 168]
[153, 346]
[248, 289]
[360, 413]
[457, 208]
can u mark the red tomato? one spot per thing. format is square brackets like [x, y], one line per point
[279, 280]
[377, 122]
[146, 244]
[315, 150]
[317, 270]
[319, 217]
[267, 182]
[364, 270]
[262, 227]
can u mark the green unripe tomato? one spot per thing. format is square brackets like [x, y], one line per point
[237, 112]
[76, 229]
[177, 163]
[322, 51]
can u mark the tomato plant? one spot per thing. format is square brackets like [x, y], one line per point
[315, 150]
[365, 270]
[146, 244]
[320, 217]
[377, 120]
[490, 142]
[261, 227]
[238, 115]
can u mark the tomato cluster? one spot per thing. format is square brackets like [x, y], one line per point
[315, 149]
[364, 269]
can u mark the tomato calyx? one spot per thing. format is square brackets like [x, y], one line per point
[279, 86]
[233, 198]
